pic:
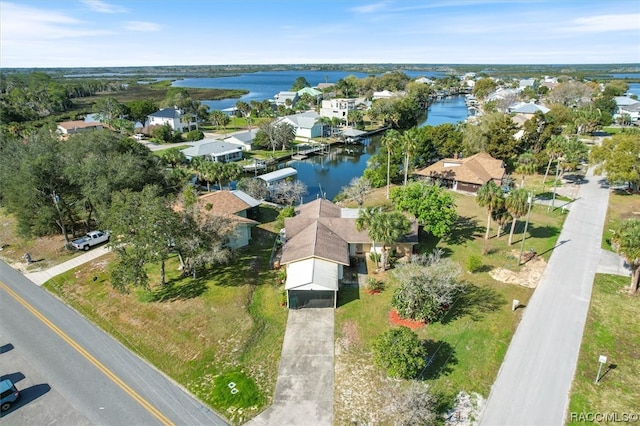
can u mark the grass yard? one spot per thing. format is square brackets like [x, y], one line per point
[613, 330]
[621, 206]
[466, 348]
[228, 326]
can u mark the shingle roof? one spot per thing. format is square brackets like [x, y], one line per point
[316, 240]
[80, 124]
[167, 113]
[223, 203]
[478, 169]
[320, 230]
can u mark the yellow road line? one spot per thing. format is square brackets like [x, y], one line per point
[145, 404]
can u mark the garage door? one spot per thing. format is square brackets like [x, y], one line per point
[311, 299]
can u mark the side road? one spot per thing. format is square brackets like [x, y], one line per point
[41, 277]
[534, 381]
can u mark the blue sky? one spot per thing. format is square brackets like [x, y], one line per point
[90, 33]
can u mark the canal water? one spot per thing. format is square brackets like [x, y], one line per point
[324, 176]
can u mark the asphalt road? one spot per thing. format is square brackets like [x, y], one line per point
[534, 381]
[70, 372]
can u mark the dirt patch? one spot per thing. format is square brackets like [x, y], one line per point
[528, 276]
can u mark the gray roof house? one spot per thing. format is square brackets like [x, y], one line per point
[282, 97]
[213, 150]
[527, 108]
[319, 243]
[306, 124]
[171, 116]
[243, 139]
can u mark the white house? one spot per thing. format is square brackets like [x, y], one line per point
[337, 108]
[282, 97]
[243, 139]
[305, 124]
[626, 105]
[213, 150]
[386, 94]
[171, 116]
[527, 108]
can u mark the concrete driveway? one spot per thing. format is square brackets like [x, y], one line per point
[304, 390]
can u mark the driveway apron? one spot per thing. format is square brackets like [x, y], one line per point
[534, 381]
[304, 390]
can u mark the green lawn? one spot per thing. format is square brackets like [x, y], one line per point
[226, 326]
[613, 330]
[466, 348]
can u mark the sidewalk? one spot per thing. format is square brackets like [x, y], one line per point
[40, 277]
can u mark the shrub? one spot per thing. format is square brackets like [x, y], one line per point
[194, 135]
[374, 284]
[428, 286]
[375, 257]
[288, 211]
[474, 263]
[399, 352]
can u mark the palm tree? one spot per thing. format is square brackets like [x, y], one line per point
[526, 164]
[324, 121]
[390, 141]
[409, 141]
[554, 149]
[516, 203]
[626, 241]
[368, 219]
[491, 197]
[390, 227]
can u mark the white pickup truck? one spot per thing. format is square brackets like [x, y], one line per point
[91, 239]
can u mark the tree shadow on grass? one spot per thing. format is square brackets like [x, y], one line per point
[465, 229]
[178, 291]
[543, 231]
[475, 302]
[440, 360]
[348, 295]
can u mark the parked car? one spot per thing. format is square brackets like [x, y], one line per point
[90, 239]
[8, 394]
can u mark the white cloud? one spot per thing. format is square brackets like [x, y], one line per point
[104, 7]
[605, 23]
[142, 26]
[370, 8]
[19, 23]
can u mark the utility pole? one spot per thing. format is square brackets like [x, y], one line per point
[526, 225]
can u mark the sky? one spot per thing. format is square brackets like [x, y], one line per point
[110, 33]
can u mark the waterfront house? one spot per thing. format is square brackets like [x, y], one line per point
[626, 105]
[174, 117]
[305, 124]
[319, 243]
[465, 174]
[286, 98]
[243, 139]
[386, 94]
[213, 150]
[314, 93]
[337, 108]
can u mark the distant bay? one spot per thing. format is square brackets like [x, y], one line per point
[266, 84]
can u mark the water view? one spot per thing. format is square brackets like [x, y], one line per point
[266, 84]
